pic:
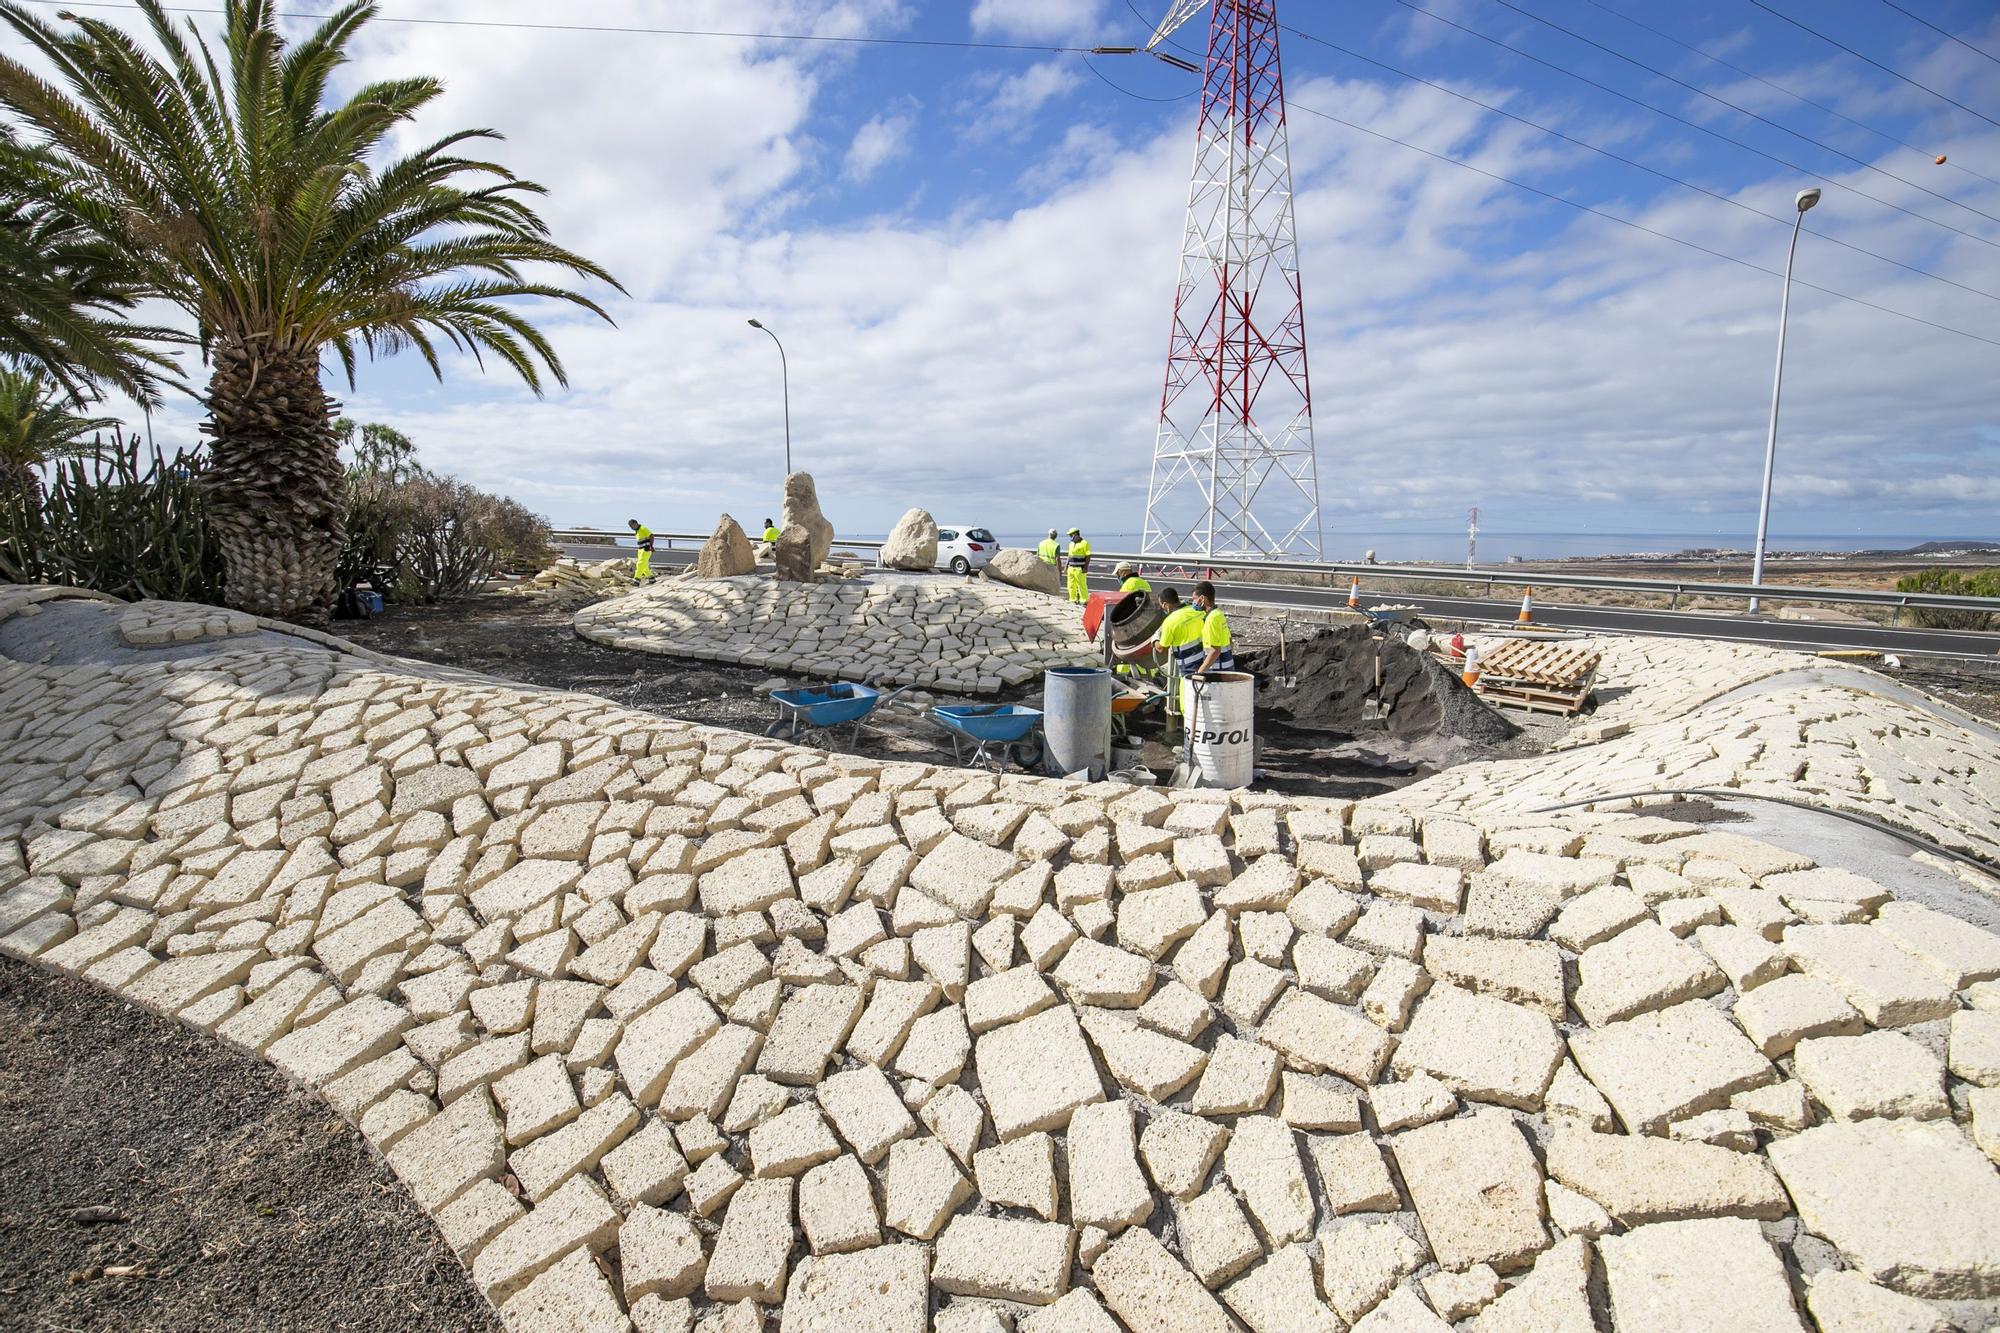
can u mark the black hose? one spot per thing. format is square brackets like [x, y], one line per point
[1724, 794]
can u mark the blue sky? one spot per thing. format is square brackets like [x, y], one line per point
[971, 255]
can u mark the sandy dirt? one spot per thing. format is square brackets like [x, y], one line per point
[528, 638]
[151, 1179]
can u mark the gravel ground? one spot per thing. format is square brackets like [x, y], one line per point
[151, 1179]
[528, 638]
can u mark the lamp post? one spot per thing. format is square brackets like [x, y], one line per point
[1805, 200]
[785, 376]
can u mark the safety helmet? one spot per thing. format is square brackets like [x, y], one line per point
[1076, 532]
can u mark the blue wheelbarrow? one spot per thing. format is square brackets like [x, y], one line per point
[998, 733]
[810, 715]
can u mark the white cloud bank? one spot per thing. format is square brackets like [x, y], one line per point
[1470, 345]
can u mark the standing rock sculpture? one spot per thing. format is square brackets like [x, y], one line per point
[793, 552]
[726, 553]
[802, 510]
[913, 543]
[1024, 569]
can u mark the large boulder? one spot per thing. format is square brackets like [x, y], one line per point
[913, 543]
[726, 553]
[802, 511]
[1024, 569]
[793, 552]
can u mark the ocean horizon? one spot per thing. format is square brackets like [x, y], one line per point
[1499, 547]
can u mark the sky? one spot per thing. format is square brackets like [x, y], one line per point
[970, 254]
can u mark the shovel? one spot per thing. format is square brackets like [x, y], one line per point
[1374, 708]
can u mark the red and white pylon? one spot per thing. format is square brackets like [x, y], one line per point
[1234, 469]
[1527, 615]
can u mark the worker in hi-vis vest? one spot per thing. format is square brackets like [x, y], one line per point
[1130, 580]
[1050, 550]
[770, 531]
[1079, 566]
[642, 536]
[1198, 642]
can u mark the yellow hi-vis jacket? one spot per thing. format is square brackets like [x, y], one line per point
[770, 534]
[1079, 553]
[1135, 584]
[1050, 550]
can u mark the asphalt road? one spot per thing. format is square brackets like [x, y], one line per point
[1732, 627]
[1735, 628]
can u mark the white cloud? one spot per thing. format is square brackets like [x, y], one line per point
[1012, 367]
[1470, 344]
[1036, 20]
[881, 140]
[1007, 107]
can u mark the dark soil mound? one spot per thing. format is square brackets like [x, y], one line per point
[1320, 682]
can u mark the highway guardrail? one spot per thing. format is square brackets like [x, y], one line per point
[1493, 580]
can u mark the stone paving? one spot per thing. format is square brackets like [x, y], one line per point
[964, 635]
[673, 1028]
[1836, 747]
[1646, 680]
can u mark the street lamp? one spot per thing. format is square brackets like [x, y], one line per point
[785, 375]
[1805, 200]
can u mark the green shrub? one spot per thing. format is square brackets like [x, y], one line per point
[1951, 583]
[417, 536]
[126, 521]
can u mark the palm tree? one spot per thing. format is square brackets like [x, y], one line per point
[64, 296]
[239, 193]
[36, 428]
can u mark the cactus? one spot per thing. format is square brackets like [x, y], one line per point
[127, 521]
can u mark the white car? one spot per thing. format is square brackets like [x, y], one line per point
[962, 550]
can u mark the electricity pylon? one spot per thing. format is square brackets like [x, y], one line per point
[1234, 471]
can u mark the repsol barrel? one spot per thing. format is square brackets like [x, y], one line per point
[1218, 708]
[1076, 720]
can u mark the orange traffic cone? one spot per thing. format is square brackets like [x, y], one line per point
[1471, 673]
[1527, 615]
[1354, 594]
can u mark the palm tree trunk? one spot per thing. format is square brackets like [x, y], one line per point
[273, 482]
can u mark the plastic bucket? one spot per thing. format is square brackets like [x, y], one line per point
[1076, 720]
[1134, 619]
[1219, 710]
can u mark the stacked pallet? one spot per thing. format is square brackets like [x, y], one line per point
[1543, 677]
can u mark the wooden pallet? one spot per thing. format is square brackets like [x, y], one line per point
[1541, 677]
[1556, 665]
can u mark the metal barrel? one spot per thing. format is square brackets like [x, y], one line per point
[1219, 711]
[1076, 720]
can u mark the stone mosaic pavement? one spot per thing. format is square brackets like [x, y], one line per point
[971, 636]
[1850, 746]
[674, 1028]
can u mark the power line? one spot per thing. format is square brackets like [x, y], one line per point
[1074, 50]
[1640, 166]
[1693, 125]
[1950, 36]
[1740, 110]
[1796, 96]
[1140, 97]
[1636, 226]
[624, 29]
[1777, 13]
